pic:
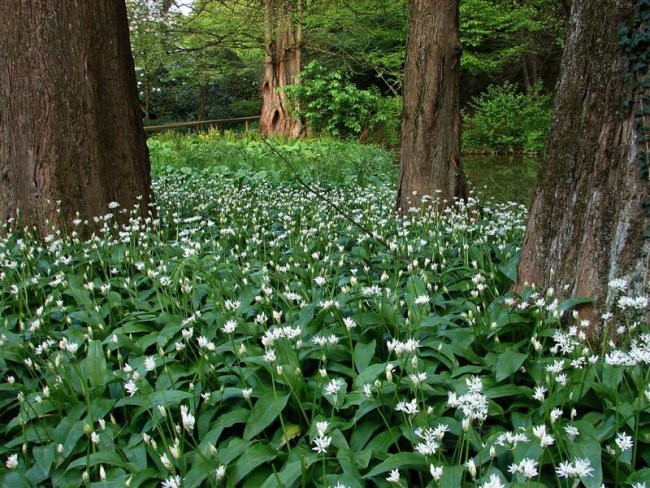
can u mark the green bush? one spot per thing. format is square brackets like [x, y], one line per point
[502, 119]
[334, 107]
[385, 126]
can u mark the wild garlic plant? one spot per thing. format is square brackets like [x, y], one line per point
[249, 335]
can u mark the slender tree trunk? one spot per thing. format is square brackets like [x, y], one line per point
[70, 123]
[587, 220]
[430, 145]
[203, 94]
[283, 34]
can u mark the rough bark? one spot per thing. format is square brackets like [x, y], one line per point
[430, 142]
[587, 220]
[70, 123]
[283, 35]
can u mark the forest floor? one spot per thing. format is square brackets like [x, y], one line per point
[252, 335]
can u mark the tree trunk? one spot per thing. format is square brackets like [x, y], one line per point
[203, 94]
[587, 221]
[430, 157]
[70, 124]
[283, 35]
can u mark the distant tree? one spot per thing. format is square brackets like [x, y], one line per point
[587, 222]
[282, 57]
[430, 154]
[71, 136]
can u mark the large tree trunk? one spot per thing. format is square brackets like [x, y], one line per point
[587, 220]
[430, 158]
[283, 35]
[70, 124]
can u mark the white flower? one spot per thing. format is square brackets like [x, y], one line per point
[409, 408]
[232, 304]
[471, 468]
[270, 356]
[321, 427]
[493, 482]
[539, 393]
[12, 461]
[246, 393]
[511, 439]
[635, 303]
[172, 482]
[556, 413]
[436, 472]
[571, 431]
[94, 437]
[187, 418]
[617, 284]
[150, 363]
[527, 467]
[130, 387]
[319, 280]
[578, 469]
[422, 300]
[334, 386]
[349, 323]
[545, 439]
[393, 477]
[418, 378]
[220, 472]
[229, 327]
[321, 444]
[624, 441]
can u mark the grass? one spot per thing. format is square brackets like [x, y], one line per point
[252, 336]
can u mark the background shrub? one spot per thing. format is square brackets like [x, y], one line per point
[502, 119]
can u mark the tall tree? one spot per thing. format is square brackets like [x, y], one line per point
[430, 159]
[587, 221]
[283, 38]
[71, 135]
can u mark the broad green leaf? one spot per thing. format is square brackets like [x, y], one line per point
[96, 364]
[398, 461]
[253, 457]
[266, 410]
[508, 362]
[363, 354]
[103, 457]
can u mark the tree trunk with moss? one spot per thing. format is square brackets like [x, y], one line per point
[430, 146]
[587, 222]
[283, 36]
[71, 135]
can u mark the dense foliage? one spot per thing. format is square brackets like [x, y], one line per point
[327, 160]
[250, 335]
[505, 120]
[205, 60]
[334, 107]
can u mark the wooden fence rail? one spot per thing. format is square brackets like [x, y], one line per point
[215, 123]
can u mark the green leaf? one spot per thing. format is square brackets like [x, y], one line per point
[508, 363]
[253, 457]
[106, 458]
[43, 456]
[451, 476]
[265, 411]
[399, 460]
[96, 364]
[363, 354]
